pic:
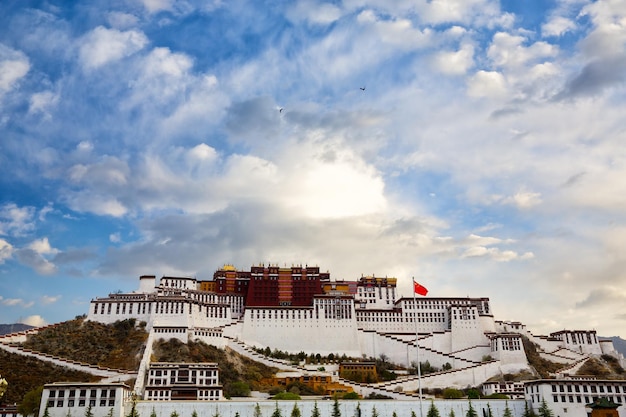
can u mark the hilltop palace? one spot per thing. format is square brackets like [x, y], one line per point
[299, 309]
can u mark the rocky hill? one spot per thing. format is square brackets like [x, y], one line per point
[118, 346]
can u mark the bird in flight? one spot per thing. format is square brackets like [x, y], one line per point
[362, 88]
[280, 110]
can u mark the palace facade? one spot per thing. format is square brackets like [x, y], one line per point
[299, 309]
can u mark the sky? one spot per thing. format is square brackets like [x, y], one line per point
[478, 146]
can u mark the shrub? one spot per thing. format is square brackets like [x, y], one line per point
[452, 394]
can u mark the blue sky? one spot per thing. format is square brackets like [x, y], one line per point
[484, 155]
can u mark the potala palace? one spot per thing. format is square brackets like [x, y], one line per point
[299, 309]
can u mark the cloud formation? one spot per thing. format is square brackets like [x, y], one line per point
[469, 143]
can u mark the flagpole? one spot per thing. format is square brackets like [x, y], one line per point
[417, 350]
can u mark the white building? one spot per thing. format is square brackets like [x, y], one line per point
[74, 398]
[513, 389]
[456, 332]
[568, 397]
[183, 382]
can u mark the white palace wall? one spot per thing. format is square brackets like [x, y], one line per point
[384, 408]
[303, 329]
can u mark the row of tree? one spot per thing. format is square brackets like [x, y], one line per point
[433, 411]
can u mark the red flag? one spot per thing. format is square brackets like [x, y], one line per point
[419, 289]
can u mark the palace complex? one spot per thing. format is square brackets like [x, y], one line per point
[299, 309]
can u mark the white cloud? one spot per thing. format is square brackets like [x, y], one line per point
[313, 12]
[608, 37]
[16, 221]
[103, 45]
[487, 84]
[464, 11]
[524, 199]
[495, 254]
[454, 62]
[40, 103]
[6, 251]
[202, 152]
[507, 50]
[35, 320]
[14, 65]
[97, 204]
[50, 299]
[42, 247]
[557, 26]
[120, 20]
[400, 33]
[154, 6]
[115, 237]
[10, 302]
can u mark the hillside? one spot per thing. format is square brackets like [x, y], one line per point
[234, 368]
[118, 345]
[25, 374]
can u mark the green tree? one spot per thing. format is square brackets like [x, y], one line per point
[544, 411]
[471, 412]
[174, 414]
[69, 413]
[316, 411]
[357, 410]
[286, 396]
[46, 413]
[194, 414]
[110, 413]
[237, 414]
[488, 412]
[88, 411]
[507, 410]
[432, 411]
[295, 411]
[257, 411]
[394, 414]
[528, 412]
[451, 413]
[452, 394]
[336, 410]
[133, 410]
[276, 412]
[473, 394]
[217, 412]
[30, 403]
[239, 389]
[413, 414]
[374, 412]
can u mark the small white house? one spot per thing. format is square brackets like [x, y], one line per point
[62, 399]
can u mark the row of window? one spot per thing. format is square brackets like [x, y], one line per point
[104, 393]
[592, 388]
[585, 399]
[80, 403]
[506, 343]
[203, 382]
[282, 314]
[165, 395]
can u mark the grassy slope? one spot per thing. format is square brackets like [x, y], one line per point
[232, 366]
[25, 374]
[117, 345]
